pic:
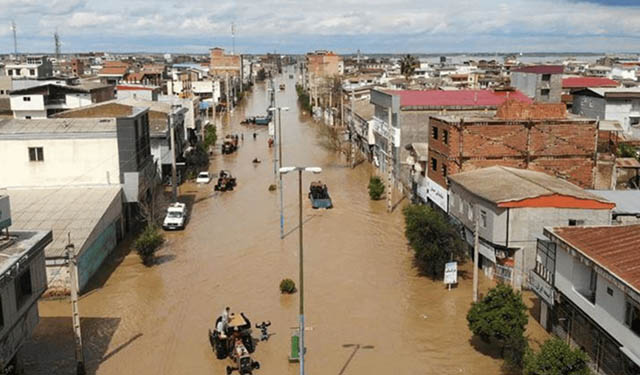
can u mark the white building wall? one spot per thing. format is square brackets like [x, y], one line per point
[66, 162]
[34, 104]
[77, 100]
[608, 310]
[621, 110]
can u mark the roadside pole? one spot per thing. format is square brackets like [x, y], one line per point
[174, 186]
[476, 244]
[75, 312]
[280, 174]
[389, 163]
[301, 281]
[352, 157]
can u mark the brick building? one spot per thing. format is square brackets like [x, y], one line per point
[537, 136]
[222, 64]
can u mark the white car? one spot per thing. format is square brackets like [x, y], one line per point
[176, 216]
[203, 178]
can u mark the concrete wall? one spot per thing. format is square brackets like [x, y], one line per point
[77, 100]
[531, 84]
[35, 106]
[74, 161]
[608, 310]
[589, 106]
[621, 110]
[525, 82]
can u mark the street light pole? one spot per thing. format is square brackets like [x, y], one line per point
[283, 170]
[301, 349]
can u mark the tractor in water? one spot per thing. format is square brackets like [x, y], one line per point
[229, 144]
[319, 195]
[232, 339]
[225, 181]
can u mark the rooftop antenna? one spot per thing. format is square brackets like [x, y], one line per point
[233, 36]
[56, 40]
[15, 38]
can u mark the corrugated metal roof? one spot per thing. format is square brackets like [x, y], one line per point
[627, 201]
[500, 184]
[627, 163]
[581, 82]
[614, 248]
[459, 98]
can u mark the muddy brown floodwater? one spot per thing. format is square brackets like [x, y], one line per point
[360, 286]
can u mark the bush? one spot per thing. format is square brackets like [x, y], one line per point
[376, 188]
[433, 238]
[148, 243]
[501, 317]
[556, 357]
[210, 136]
[287, 286]
[627, 151]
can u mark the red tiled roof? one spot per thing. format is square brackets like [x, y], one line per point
[541, 69]
[580, 82]
[457, 98]
[128, 87]
[615, 248]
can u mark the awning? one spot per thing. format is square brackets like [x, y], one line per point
[610, 125]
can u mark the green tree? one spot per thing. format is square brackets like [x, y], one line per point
[376, 188]
[408, 66]
[500, 317]
[627, 151]
[556, 358]
[197, 159]
[287, 286]
[210, 136]
[148, 243]
[433, 238]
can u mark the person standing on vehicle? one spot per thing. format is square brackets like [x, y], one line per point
[225, 317]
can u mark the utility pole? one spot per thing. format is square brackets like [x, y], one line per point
[476, 245]
[390, 162]
[226, 86]
[56, 40]
[351, 128]
[280, 174]
[75, 312]
[174, 186]
[15, 38]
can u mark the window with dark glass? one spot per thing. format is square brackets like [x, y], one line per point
[444, 170]
[434, 132]
[632, 317]
[546, 77]
[445, 137]
[544, 92]
[434, 164]
[36, 154]
[23, 287]
[575, 223]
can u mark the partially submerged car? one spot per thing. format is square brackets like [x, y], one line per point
[176, 216]
[203, 178]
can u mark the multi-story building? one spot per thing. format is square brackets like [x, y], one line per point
[570, 85]
[538, 136]
[22, 282]
[542, 83]
[409, 111]
[222, 64]
[35, 67]
[588, 282]
[617, 104]
[42, 101]
[512, 206]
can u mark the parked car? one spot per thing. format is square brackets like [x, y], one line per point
[203, 178]
[176, 216]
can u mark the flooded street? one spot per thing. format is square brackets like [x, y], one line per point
[360, 286]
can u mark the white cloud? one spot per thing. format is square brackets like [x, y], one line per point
[478, 23]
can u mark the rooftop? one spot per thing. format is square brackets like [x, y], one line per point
[459, 98]
[69, 210]
[540, 69]
[614, 248]
[505, 186]
[581, 82]
[19, 246]
[621, 92]
[627, 201]
[18, 127]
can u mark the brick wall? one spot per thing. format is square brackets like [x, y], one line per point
[563, 149]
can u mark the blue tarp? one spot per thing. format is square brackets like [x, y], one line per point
[204, 105]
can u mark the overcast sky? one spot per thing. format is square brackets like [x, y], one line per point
[296, 26]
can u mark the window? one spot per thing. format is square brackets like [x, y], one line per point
[27, 117]
[444, 170]
[585, 284]
[632, 317]
[434, 164]
[483, 218]
[445, 137]
[10, 72]
[546, 77]
[575, 223]
[32, 72]
[609, 291]
[544, 92]
[36, 154]
[434, 132]
[26, 98]
[23, 288]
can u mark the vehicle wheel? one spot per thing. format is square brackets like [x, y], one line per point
[229, 370]
[230, 187]
[256, 365]
[248, 343]
[221, 351]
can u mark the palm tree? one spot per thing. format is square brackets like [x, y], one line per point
[408, 66]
